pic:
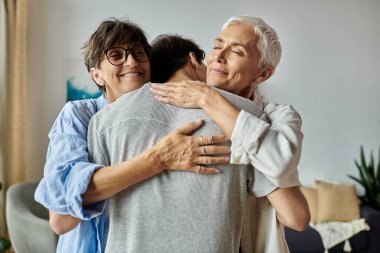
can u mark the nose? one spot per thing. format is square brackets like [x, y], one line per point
[131, 61]
[220, 55]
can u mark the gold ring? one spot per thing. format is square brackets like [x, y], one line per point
[198, 168]
[204, 150]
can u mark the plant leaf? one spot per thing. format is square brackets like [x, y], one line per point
[359, 181]
[371, 167]
[367, 173]
[378, 173]
[362, 157]
[362, 179]
[369, 178]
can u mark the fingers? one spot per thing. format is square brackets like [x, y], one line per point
[166, 100]
[205, 170]
[213, 139]
[170, 90]
[190, 127]
[213, 160]
[214, 150]
[162, 91]
[170, 86]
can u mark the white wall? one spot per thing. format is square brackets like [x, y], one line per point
[329, 69]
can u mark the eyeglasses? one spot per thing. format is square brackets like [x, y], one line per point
[118, 55]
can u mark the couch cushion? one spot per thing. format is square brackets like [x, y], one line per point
[312, 199]
[337, 202]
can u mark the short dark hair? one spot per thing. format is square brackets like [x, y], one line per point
[112, 32]
[170, 53]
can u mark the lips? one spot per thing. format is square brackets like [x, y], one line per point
[218, 71]
[132, 74]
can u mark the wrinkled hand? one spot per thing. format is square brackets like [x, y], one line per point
[178, 151]
[185, 94]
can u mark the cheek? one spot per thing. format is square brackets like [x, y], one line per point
[209, 58]
[240, 69]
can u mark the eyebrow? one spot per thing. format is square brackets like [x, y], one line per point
[218, 39]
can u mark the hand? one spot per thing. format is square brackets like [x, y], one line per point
[185, 94]
[178, 151]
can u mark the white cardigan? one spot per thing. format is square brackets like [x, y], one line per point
[272, 144]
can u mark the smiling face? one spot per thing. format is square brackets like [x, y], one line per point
[232, 64]
[122, 79]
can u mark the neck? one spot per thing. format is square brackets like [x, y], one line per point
[185, 73]
[180, 76]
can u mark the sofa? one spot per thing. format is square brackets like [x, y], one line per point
[309, 241]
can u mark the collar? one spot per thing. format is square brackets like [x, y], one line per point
[258, 100]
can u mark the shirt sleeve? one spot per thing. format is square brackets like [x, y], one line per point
[258, 184]
[272, 147]
[68, 171]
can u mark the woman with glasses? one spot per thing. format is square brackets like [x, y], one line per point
[117, 57]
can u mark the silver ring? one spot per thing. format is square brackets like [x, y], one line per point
[204, 150]
[198, 168]
[212, 139]
[202, 141]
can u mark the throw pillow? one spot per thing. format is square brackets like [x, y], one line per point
[337, 202]
[312, 199]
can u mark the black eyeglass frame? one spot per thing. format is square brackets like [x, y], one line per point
[127, 52]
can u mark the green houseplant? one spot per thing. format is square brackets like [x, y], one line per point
[369, 178]
[4, 243]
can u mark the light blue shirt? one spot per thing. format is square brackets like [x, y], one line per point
[67, 174]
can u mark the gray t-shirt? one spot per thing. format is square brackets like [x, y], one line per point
[174, 211]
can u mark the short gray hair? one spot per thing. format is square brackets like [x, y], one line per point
[267, 43]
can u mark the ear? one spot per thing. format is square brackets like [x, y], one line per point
[95, 75]
[265, 74]
[193, 60]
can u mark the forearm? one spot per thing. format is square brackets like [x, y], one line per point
[61, 223]
[64, 182]
[220, 110]
[110, 180]
[176, 151]
[291, 207]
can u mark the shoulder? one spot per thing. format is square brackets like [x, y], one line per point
[77, 114]
[133, 102]
[82, 108]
